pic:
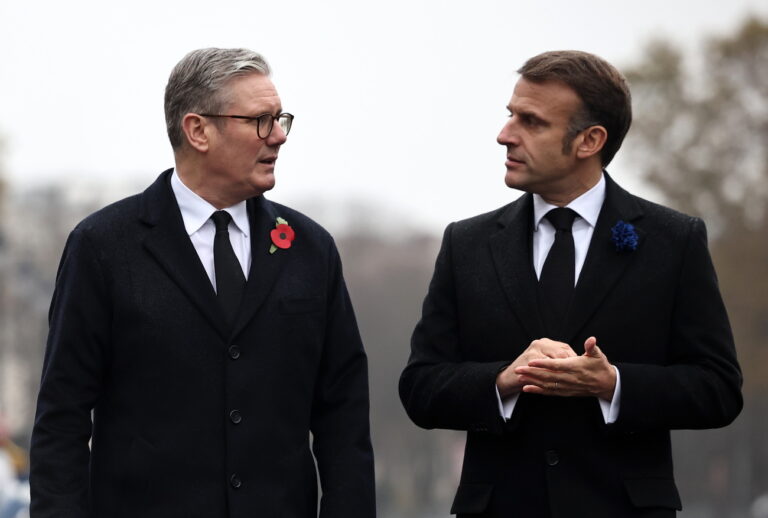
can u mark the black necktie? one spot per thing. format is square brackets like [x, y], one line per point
[557, 277]
[230, 281]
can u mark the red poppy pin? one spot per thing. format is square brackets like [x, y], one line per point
[282, 235]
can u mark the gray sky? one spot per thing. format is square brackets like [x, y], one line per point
[397, 103]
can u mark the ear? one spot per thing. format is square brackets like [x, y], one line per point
[591, 141]
[196, 129]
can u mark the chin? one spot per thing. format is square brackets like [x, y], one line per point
[263, 184]
[514, 181]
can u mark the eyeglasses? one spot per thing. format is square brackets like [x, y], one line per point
[264, 122]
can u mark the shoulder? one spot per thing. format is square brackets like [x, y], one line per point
[672, 224]
[110, 222]
[484, 223]
[665, 223]
[481, 222]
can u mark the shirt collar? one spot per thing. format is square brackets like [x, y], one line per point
[587, 206]
[195, 211]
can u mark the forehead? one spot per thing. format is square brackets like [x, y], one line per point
[253, 92]
[547, 99]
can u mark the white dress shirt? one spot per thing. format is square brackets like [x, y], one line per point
[587, 206]
[196, 213]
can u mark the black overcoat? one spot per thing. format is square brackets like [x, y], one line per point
[190, 417]
[656, 313]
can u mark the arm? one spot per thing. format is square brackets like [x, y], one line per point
[439, 387]
[340, 427]
[700, 386]
[73, 370]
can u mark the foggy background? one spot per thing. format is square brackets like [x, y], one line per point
[397, 108]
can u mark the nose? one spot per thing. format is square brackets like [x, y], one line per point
[277, 137]
[508, 135]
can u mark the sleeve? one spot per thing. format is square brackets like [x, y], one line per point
[72, 377]
[340, 414]
[700, 386]
[439, 388]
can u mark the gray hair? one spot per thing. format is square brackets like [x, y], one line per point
[198, 84]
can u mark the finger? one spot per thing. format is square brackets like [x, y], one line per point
[547, 390]
[560, 352]
[533, 389]
[591, 349]
[548, 381]
[555, 364]
[541, 380]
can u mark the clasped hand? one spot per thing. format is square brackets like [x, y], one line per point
[552, 368]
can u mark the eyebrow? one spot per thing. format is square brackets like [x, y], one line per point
[527, 113]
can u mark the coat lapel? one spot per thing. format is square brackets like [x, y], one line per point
[513, 259]
[603, 266]
[265, 267]
[168, 243]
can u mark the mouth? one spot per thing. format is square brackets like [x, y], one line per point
[270, 160]
[512, 161]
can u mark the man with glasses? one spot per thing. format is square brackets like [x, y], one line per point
[201, 337]
[569, 331]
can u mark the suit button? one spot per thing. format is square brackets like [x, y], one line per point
[235, 416]
[552, 458]
[234, 481]
[234, 352]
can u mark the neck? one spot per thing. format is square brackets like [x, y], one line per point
[579, 183]
[198, 182]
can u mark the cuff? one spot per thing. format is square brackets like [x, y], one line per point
[507, 405]
[610, 409]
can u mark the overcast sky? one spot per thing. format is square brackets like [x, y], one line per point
[397, 103]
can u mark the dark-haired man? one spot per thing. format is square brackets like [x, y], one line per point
[201, 336]
[569, 331]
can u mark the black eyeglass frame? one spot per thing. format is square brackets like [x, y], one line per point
[258, 118]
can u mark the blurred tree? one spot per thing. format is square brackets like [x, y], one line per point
[700, 137]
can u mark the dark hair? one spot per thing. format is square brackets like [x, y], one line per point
[603, 91]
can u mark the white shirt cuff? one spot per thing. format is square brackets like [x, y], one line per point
[611, 409]
[506, 406]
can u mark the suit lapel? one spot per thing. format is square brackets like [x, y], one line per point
[513, 259]
[603, 266]
[265, 267]
[168, 243]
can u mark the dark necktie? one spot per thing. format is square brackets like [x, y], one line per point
[230, 281]
[557, 278]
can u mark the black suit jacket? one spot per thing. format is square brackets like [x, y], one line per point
[658, 316]
[192, 418]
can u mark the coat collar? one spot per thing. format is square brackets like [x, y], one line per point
[512, 254]
[265, 267]
[169, 244]
[604, 265]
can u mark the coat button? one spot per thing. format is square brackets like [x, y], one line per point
[234, 352]
[553, 459]
[235, 482]
[235, 416]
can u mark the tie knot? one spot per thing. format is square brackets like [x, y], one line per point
[561, 218]
[221, 219]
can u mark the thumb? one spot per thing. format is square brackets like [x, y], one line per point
[591, 348]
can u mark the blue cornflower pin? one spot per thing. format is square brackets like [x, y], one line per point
[624, 237]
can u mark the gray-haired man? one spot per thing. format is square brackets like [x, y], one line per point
[200, 333]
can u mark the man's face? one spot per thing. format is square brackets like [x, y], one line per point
[239, 164]
[539, 114]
